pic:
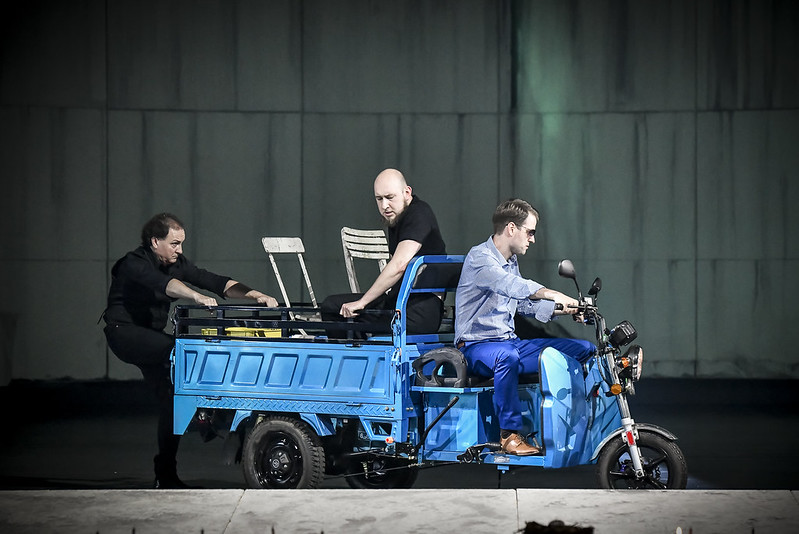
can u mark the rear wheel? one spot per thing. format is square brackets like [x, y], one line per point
[662, 460]
[376, 472]
[283, 453]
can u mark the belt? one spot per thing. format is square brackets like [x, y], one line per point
[461, 344]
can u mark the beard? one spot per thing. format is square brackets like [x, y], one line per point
[397, 218]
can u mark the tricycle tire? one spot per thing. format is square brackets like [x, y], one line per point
[383, 473]
[663, 462]
[283, 453]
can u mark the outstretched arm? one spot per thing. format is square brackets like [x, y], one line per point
[568, 304]
[391, 274]
[178, 290]
[237, 290]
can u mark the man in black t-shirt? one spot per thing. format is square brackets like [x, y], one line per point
[144, 282]
[412, 231]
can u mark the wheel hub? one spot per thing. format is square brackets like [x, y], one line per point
[282, 463]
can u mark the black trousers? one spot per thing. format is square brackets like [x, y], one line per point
[423, 313]
[149, 350]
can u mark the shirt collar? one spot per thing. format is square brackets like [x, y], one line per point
[512, 261]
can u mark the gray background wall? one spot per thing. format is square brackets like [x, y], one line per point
[658, 139]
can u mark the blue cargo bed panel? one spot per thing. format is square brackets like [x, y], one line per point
[275, 369]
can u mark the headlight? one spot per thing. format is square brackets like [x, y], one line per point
[631, 362]
[622, 334]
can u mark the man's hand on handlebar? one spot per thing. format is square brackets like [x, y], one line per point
[564, 304]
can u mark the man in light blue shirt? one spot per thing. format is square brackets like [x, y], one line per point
[490, 292]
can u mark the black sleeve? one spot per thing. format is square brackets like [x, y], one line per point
[201, 278]
[416, 225]
[139, 269]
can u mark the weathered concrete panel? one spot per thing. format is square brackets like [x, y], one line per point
[204, 56]
[748, 185]
[744, 314]
[233, 178]
[53, 53]
[50, 318]
[395, 57]
[609, 186]
[605, 55]
[54, 184]
[746, 55]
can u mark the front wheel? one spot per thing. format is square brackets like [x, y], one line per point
[283, 453]
[663, 462]
[381, 473]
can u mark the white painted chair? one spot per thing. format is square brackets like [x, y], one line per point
[365, 244]
[290, 245]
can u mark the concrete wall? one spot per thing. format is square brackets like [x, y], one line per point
[657, 138]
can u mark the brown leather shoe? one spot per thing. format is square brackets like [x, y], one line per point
[516, 444]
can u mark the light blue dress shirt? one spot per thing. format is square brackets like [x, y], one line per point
[490, 292]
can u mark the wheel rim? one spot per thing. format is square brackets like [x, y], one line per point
[280, 464]
[655, 463]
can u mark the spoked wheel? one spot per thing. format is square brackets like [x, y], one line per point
[663, 462]
[375, 472]
[283, 453]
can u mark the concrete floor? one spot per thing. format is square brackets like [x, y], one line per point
[86, 436]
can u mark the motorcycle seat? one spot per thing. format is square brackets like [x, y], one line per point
[446, 367]
[476, 381]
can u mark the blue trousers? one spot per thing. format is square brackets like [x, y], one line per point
[506, 360]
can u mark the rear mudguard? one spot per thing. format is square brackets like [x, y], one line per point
[322, 425]
[639, 427]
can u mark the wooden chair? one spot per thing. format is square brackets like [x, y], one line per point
[290, 245]
[365, 244]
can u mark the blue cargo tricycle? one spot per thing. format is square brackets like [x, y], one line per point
[375, 408]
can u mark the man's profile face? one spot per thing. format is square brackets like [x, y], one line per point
[521, 235]
[392, 199]
[169, 248]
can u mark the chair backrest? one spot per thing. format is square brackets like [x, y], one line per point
[287, 245]
[367, 244]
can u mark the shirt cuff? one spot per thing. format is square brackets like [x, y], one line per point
[545, 310]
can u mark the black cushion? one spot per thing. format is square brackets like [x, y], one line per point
[449, 369]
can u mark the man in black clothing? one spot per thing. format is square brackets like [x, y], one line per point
[412, 230]
[144, 283]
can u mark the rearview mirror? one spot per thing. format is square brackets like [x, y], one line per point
[566, 269]
[596, 287]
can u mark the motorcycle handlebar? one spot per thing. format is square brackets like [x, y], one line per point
[586, 313]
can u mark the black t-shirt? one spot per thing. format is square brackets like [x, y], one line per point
[417, 223]
[138, 287]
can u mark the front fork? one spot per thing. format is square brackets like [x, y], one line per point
[630, 436]
[629, 433]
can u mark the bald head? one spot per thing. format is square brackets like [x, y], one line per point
[393, 194]
[390, 178]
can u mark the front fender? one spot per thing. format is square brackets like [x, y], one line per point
[638, 426]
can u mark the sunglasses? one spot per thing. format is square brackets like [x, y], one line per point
[530, 231]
